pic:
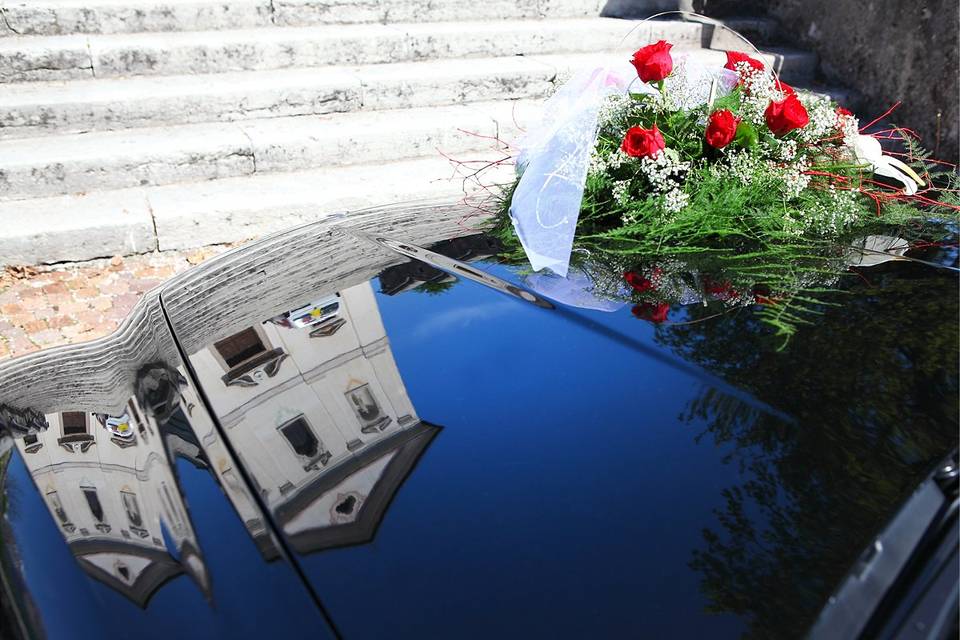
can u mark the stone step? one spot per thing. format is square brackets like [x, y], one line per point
[65, 17]
[87, 162]
[200, 52]
[32, 108]
[206, 52]
[182, 216]
[29, 109]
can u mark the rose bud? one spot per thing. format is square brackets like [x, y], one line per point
[653, 62]
[784, 87]
[786, 115]
[733, 57]
[643, 143]
[721, 128]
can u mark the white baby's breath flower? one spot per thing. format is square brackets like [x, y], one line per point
[621, 190]
[787, 150]
[664, 171]
[675, 200]
[795, 180]
[823, 118]
[850, 128]
[613, 111]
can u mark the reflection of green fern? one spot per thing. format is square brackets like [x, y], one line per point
[436, 287]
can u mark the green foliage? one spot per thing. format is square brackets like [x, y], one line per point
[745, 233]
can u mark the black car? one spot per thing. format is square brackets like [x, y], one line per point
[462, 452]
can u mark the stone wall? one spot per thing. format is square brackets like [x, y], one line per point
[888, 50]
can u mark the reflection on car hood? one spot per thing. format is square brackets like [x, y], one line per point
[433, 448]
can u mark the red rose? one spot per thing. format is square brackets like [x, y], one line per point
[638, 282]
[653, 62]
[841, 112]
[733, 57]
[721, 128]
[785, 116]
[655, 313]
[785, 88]
[642, 143]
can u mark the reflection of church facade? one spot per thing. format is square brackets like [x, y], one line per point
[110, 489]
[313, 403]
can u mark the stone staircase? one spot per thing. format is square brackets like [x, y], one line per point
[128, 126]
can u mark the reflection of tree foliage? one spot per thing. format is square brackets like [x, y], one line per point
[436, 287]
[872, 387]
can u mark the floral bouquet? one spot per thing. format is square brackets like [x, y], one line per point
[691, 183]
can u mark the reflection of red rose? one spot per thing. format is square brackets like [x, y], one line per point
[655, 313]
[642, 143]
[653, 62]
[721, 290]
[733, 57]
[786, 115]
[638, 282]
[721, 128]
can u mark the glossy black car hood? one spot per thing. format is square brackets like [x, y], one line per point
[457, 452]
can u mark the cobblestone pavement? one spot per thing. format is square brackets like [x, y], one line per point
[52, 305]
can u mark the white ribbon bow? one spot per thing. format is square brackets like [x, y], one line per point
[868, 151]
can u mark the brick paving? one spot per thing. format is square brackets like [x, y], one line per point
[45, 306]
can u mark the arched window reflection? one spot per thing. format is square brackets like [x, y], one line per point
[132, 507]
[366, 407]
[304, 441]
[96, 509]
[54, 499]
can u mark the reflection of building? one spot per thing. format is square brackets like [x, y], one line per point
[110, 488]
[415, 273]
[314, 405]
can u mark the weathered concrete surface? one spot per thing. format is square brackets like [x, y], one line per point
[62, 17]
[212, 52]
[199, 52]
[59, 229]
[31, 109]
[235, 209]
[889, 51]
[152, 156]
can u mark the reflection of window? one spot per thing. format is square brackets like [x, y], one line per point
[367, 409]
[74, 422]
[93, 501]
[54, 499]
[240, 347]
[305, 444]
[31, 444]
[136, 417]
[132, 508]
[122, 570]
